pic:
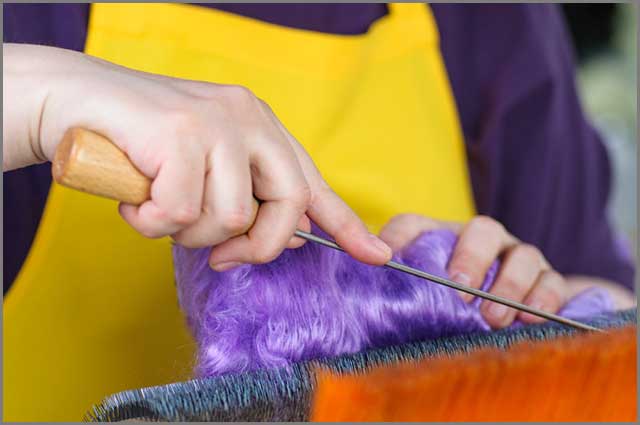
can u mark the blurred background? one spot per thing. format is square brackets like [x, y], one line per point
[605, 38]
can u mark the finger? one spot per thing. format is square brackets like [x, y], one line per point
[520, 270]
[549, 294]
[404, 228]
[279, 182]
[333, 215]
[481, 241]
[305, 225]
[263, 243]
[229, 207]
[176, 196]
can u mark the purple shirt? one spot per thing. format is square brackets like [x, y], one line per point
[536, 163]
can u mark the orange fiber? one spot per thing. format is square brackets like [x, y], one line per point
[587, 377]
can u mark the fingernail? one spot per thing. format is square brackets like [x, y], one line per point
[498, 311]
[465, 280]
[379, 244]
[221, 267]
[461, 278]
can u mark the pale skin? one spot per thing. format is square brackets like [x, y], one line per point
[211, 148]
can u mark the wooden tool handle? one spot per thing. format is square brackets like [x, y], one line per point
[89, 162]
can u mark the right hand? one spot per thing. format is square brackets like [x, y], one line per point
[209, 148]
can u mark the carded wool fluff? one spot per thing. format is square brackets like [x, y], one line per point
[314, 302]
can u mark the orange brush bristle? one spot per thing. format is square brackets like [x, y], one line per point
[587, 377]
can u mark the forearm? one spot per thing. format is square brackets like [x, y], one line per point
[30, 74]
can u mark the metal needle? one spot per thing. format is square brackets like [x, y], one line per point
[477, 292]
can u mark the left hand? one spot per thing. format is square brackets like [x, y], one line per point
[524, 276]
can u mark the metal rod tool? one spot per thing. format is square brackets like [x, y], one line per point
[89, 162]
[477, 292]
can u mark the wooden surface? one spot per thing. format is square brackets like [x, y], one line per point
[88, 162]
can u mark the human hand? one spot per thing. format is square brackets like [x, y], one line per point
[208, 148]
[524, 276]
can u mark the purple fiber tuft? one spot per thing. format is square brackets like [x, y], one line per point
[315, 302]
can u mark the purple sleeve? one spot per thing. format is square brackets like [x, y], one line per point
[536, 163]
[59, 25]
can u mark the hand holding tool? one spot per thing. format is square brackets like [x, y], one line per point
[89, 162]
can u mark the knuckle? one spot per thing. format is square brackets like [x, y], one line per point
[484, 223]
[204, 90]
[408, 218]
[512, 283]
[526, 251]
[552, 277]
[303, 196]
[266, 255]
[464, 257]
[236, 222]
[552, 287]
[264, 105]
[322, 192]
[185, 214]
[156, 215]
[239, 94]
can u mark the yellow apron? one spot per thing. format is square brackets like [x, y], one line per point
[94, 311]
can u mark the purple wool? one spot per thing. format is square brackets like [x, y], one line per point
[315, 302]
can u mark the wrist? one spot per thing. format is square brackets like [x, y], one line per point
[34, 79]
[64, 86]
[24, 92]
